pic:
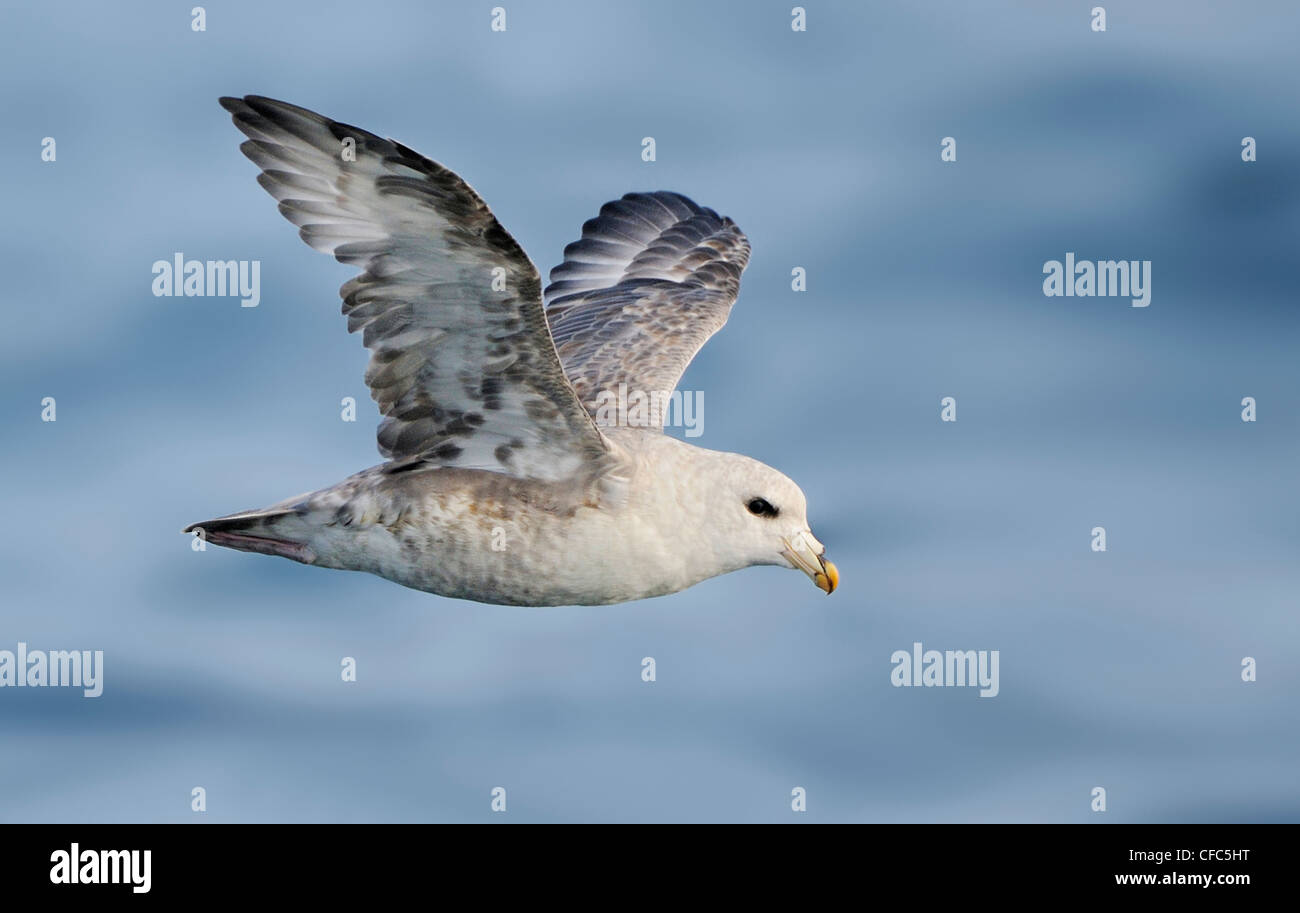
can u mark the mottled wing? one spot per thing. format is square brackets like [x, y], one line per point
[653, 277]
[462, 364]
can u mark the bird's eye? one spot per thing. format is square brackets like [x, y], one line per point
[761, 508]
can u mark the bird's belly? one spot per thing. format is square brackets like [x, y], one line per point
[463, 551]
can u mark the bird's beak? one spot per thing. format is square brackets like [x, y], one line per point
[808, 555]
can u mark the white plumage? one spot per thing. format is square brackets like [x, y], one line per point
[501, 486]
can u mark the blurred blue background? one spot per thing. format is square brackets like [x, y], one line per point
[1119, 670]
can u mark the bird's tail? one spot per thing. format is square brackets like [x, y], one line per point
[269, 531]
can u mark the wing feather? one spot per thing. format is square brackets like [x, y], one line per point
[462, 363]
[652, 278]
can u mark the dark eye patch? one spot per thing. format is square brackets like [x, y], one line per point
[760, 507]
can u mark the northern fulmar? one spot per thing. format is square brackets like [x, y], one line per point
[505, 482]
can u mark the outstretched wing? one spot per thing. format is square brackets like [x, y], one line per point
[653, 277]
[462, 364]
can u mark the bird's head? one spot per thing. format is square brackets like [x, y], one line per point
[765, 515]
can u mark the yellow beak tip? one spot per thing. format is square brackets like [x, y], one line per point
[828, 581]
